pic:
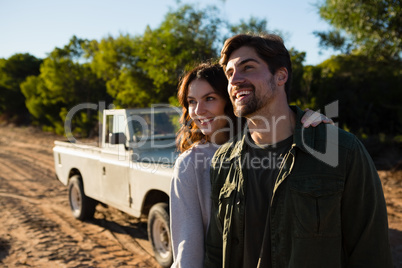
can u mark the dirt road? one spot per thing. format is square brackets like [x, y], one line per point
[38, 230]
[36, 225]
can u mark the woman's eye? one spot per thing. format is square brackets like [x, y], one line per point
[192, 102]
[210, 98]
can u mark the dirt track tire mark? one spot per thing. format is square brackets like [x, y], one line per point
[37, 227]
[54, 236]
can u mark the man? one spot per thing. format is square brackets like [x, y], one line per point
[278, 198]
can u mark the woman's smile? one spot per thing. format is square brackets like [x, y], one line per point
[207, 109]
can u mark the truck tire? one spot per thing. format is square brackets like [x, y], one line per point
[82, 206]
[159, 234]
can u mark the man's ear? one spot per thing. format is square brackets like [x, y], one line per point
[281, 76]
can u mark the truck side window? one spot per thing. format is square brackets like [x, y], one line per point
[141, 125]
[162, 125]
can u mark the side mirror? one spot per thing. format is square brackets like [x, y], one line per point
[117, 138]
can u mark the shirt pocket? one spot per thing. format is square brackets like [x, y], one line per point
[225, 203]
[317, 206]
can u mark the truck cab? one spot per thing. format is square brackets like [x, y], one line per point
[130, 170]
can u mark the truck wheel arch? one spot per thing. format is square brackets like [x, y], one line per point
[151, 198]
[73, 172]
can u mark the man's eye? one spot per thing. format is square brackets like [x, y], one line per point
[210, 98]
[247, 67]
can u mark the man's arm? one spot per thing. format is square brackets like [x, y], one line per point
[364, 214]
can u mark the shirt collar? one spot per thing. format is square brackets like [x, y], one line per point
[302, 137]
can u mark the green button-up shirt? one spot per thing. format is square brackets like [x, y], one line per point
[327, 210]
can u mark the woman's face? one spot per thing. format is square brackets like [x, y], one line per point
[207, 109]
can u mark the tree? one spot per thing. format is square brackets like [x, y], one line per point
[371, 27]
[116, 61]
[186, 37]
[299, 90]
[254, 25]
[145, 69]
[13, 72]
[368, 92]
[63, 83]
[135, 71]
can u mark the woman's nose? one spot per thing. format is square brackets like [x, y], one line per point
[200, 109]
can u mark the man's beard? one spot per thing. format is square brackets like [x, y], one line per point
[254, 104]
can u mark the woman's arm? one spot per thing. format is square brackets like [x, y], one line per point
[186, 216]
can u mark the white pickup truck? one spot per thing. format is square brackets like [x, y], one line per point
[131, 170]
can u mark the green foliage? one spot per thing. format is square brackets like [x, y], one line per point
[62, 84]
[115, 61]
[137, 71]
[13, 72]
[110, 56]
[398, 139]
[254, 25]
[368, 92]
[373, 27]
[335, 40]
[145, 69]
[185, 36]
[298, 90]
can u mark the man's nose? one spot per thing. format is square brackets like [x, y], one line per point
[237, 78]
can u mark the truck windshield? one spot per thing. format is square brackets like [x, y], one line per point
[155, 123]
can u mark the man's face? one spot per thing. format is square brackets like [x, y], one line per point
[251, 85]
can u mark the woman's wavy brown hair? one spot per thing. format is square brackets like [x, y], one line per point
[189, 133]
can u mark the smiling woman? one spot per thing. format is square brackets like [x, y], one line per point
[200, 89]
[207, 109]
[207, 120]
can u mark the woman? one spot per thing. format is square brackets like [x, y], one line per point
[207, 115]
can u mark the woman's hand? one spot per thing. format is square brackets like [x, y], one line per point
[312, 118]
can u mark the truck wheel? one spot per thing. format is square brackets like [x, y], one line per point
[159, 234]
[82, 206]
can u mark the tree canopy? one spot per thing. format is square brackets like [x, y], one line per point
[370, 27]
[138, 71]
[13, 72]
[145, 69]
[63, 82]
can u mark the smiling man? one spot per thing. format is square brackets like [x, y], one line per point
[303, 212]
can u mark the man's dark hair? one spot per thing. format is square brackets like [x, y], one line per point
[269, 47]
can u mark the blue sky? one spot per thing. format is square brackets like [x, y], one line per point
[38, 26]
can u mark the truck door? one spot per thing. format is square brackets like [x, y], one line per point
[114, 164]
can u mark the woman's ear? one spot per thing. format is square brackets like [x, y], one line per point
[281, 76]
